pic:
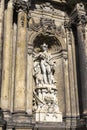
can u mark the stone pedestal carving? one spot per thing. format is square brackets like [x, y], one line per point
[46, 105]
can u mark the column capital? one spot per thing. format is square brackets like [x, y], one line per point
[21, 5]
[78, 15]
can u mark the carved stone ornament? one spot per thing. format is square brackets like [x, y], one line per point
[67, 25]
[78, 15]
[44, 67]
[21, 4]
[47, 25]
[80, 19]
[79, 7]
[47, 7]
[45, 105]
[30, 49]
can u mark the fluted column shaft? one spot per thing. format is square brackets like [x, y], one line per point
[20, 75]
[7, 56]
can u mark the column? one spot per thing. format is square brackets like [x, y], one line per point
[75, 74]
[21, 62]
[7, 57]
[79, 20]
[82, 47]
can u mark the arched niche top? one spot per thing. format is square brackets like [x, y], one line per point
[53, 40]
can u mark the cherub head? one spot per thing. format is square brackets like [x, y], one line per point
[44, 47]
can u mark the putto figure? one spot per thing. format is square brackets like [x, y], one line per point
[45, 65]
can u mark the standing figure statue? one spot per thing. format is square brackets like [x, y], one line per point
[46, 64]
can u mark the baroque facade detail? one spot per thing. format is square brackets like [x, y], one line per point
[43, 65]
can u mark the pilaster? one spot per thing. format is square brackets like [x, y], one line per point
[7, 57]
[73, 92]
[21, 58]
[13, 64]
[67, 90]
[30, 80]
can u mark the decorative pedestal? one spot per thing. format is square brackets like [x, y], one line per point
[48, 117]
[46, 104]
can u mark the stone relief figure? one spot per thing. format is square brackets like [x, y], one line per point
[45, 66]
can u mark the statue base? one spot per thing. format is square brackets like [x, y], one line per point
[46, 106]
[48, 117]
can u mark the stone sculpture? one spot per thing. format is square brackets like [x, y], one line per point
[45, 94]
[44, 66]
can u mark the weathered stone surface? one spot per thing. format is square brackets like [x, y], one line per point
[43, 89]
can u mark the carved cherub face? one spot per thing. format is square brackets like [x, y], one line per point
[44, 47]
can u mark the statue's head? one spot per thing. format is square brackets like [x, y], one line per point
[44, 47]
